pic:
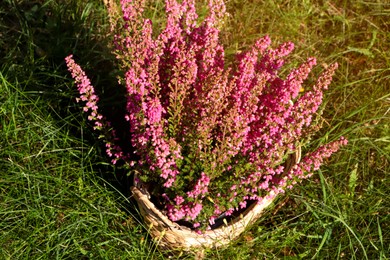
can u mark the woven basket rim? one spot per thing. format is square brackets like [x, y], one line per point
[171, 235]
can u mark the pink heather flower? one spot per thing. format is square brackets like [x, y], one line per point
[175, 214]
[229, 212]
[87, 94]
[194, 212]
[201, 187]
[86, 90]
[187, 211]
[217, 210]
[212, 220]
[312, 161]
[242, 204]
[179, 200]
[189, 114]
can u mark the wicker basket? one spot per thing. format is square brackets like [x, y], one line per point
[173, 236]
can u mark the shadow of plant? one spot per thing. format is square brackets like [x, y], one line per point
[39, 35]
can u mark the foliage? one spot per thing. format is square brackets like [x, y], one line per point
[56, 185]
[201, 128]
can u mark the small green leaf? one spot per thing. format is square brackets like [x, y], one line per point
[352, 180]
[225, 221]
[364, 51]
[83, 251]
[81, 184]
[374, 33]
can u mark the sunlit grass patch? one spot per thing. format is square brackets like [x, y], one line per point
[61, 199]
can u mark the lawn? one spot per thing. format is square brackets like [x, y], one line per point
[61, 198]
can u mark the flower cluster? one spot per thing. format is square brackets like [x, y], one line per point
[211, 136]
[87, 95]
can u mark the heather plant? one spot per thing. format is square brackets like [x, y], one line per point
[209, 136]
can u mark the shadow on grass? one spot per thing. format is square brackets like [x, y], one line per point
[37, 36]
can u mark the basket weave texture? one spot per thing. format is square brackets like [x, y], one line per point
[173, 236]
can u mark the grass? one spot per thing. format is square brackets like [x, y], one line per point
[60, 198]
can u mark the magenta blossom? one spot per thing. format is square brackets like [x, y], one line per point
[209, 134]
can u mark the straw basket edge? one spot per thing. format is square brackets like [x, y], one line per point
[170, 235]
